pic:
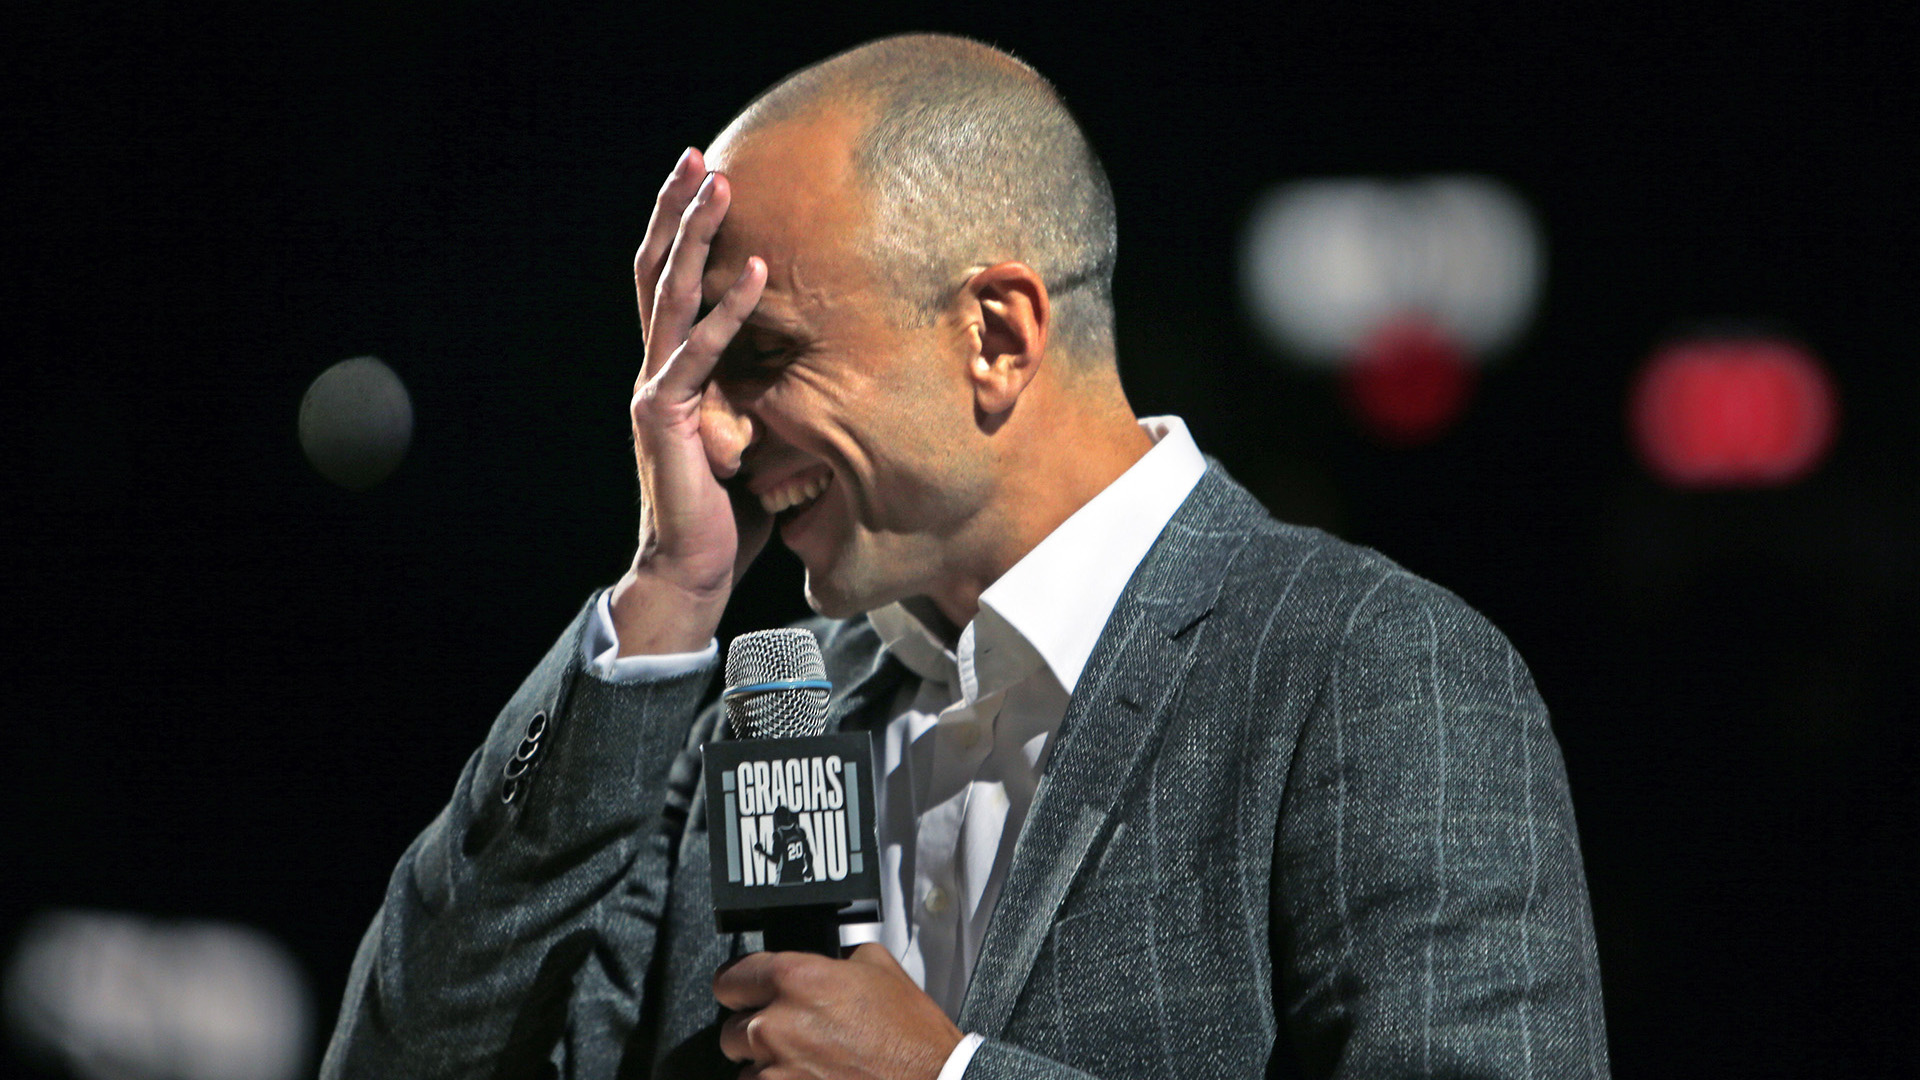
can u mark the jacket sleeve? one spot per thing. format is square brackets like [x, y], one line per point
[490, 956]
[1430, 910]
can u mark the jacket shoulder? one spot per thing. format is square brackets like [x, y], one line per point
[1311, 578]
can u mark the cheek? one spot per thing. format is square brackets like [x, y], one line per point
[932, 472]
[893, 414]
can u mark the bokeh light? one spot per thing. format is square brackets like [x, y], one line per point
[122, 997]
[1408, 382]
[1731, 412]
[356, 422]
[1325, 264]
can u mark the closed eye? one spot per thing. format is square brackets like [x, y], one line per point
[756, 357]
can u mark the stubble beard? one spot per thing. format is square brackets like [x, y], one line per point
[855, 584]
[836, 603]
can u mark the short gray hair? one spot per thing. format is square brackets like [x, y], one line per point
[971, 159]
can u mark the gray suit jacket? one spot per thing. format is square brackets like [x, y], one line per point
[1304, 816]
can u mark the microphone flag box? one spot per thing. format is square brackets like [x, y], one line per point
[789, 824]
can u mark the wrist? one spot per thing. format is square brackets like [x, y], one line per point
[654, 613]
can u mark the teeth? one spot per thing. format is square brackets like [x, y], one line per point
[799, 491]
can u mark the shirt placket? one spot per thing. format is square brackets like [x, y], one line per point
[962, 741]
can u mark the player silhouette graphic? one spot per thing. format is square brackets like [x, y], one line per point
[792, 854]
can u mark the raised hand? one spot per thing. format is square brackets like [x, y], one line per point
[695, 536]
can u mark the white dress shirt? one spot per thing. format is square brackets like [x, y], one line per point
[960, 759]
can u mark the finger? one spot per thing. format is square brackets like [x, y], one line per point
[751, 1037]
[676, 300]
[747, 983]
[685, 373]
[673, 390]
[713, 332]
[675, 194]
[736, 1043]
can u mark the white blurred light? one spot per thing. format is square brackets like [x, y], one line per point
[121, 997]
[1326, 263]
[356, 422]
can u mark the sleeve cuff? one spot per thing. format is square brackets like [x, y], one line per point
[962, 1055]
[600, 652]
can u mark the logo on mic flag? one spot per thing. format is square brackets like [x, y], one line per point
[786, 820]
[790, 822]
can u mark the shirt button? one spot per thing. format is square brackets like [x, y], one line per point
[937, 900]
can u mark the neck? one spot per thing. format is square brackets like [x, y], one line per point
[1050, 463]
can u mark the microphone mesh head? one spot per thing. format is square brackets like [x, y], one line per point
[775, 656]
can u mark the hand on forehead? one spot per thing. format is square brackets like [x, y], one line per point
[796, 201]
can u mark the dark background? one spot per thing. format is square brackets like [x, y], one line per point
[235, 691]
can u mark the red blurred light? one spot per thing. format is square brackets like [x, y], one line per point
[1408, 382]
[1733, 412]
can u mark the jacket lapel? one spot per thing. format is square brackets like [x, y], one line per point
[1111, 730]
[860, 707]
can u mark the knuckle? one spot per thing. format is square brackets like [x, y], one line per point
[797, 975]
[780, 968]
[647, 405]
[706, 338]
[672, 289]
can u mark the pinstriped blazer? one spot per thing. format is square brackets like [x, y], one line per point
[1304, 816]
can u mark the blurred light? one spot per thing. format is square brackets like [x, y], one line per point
[356, 422]
[120, 997]
[1325, 263]
[1733, 412]
[1408, 382]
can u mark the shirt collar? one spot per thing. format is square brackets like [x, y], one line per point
[1050, 608]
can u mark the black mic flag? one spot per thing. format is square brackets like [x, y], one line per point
[789, 809]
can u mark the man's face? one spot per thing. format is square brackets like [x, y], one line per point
[862, 438]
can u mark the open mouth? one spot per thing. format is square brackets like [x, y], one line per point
[794, 497]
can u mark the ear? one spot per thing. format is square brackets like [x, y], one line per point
[1009, 320]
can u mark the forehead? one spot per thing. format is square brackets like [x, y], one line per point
[796, 204]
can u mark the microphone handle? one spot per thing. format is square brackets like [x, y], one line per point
[813, 928]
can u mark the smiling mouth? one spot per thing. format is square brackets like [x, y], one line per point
[797, 494]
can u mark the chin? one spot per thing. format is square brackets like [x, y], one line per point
[843, 592]
[833, 603]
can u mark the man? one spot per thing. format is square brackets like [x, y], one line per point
[1167, 788]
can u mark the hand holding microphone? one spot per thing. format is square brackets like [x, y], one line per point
[790, 822]
[809, 1016]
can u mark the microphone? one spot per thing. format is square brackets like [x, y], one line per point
[776, 685]
[789, 809]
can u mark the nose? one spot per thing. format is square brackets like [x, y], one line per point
[727, 429]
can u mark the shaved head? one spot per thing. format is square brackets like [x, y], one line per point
[969, 159]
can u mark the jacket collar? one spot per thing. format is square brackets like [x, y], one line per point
[1111, 731]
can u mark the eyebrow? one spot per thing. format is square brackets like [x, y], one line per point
[766, 320]
[760, 318]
